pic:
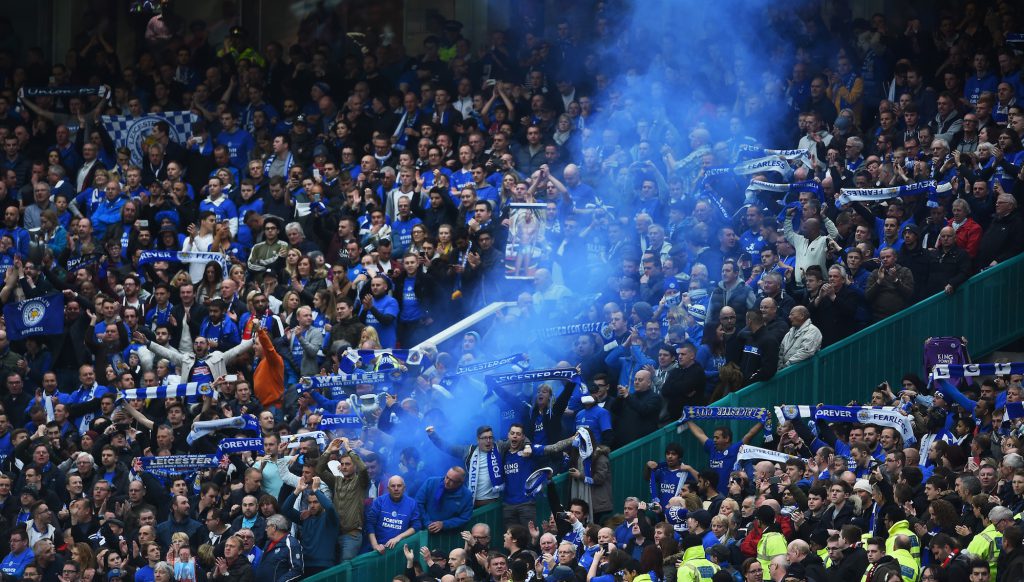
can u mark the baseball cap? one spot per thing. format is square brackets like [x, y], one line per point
[702, 517]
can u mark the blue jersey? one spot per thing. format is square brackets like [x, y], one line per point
[14, 565]
[722, 462]
[597, 419]
[666, 483]
[401, 234]
[226, 333]
[387, 519]
[517, 469]
[239, 144]
[386, 332]
[411, 308]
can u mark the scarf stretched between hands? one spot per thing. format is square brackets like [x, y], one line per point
[201, 428]
[762, 415]
[848, 195]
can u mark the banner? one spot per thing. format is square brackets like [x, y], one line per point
[751, 453]
[241, 445]
[337, 382]
[566, 374]
[188, 257]
[520, 360]
[173, 391]
[947, 371]
[881, 415]
[36, 316]
[64, 91]
[178, 464]
[527, 248]
[135, 133]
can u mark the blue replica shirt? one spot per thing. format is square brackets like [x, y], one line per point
[223, 208]
[752, 242]
[596, 419]
[226, 333]
[388, 334]
[239, 144]
[387, 518]
[722, 461]
[666, 482]
[411, 309]
[460, 178]
[14, 565]
[401, 234]
[517, 469]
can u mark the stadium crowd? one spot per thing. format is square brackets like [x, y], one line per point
[355, 200]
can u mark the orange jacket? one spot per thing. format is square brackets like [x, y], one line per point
[268, 378]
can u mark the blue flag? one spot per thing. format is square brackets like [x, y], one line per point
[36, 316]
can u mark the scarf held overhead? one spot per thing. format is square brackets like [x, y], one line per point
[762, 415]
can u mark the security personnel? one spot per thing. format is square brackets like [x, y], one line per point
[902, 553]
[989, 543]
[772, 542]
[896, 520]
[695, 566]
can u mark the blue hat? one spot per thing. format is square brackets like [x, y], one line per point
[671, 284]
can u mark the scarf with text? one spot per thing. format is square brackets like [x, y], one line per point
[294, 441]
[762, 415]
[520, 360]
[172, 465]
[336, 421]
[881, 415]
[585, 445]
[241, 445]
[201, 428]
[803, 156]
[848, 195]
[598, 327]
[750, 453]
[947, 371]
[529, 376]
[337, 383]
[495, 470]
[187, 257]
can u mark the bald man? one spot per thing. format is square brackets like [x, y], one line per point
[949, 265]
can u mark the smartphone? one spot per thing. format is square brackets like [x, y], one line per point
[231, 378]
[775, 480]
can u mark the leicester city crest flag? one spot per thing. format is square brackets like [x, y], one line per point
[36, 316]
[134, 132]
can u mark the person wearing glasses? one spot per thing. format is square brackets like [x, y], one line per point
[268, 253]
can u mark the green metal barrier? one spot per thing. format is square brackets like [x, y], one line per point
[987, 310]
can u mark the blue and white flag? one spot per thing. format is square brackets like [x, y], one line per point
[173, 391]
[241, 445]
[522, 361]
[36, 316]
[178, 464]
[135, 133]
[848, 195]
[188, 257]
[946, 371]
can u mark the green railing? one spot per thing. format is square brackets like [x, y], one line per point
[987, 310]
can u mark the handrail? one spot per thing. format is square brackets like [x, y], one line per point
[987, 310]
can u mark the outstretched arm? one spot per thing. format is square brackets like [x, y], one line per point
[752, 433]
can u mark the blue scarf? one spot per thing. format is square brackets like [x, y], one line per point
[519, 360]
[762, 415]
[577, 329]
[173, 391]
[177, 464]
[946, 371]
[232, 446]
[568, 374]
[585, 445]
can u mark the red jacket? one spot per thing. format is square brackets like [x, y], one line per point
[968, 236]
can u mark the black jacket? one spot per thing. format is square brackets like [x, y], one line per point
[760, 358]
[635, 416]
[947, 268]
[837, 318]
[684, 386]
[852, 566]
[1003, 239]
[918, 261]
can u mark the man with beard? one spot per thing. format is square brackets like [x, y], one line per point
[379, 310]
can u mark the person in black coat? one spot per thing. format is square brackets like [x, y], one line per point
[632, 413]
[684, 385]
[834, 310]
[914, 257]
[949, 265]
[760, 358]
[848, 564]
[1004, 238]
